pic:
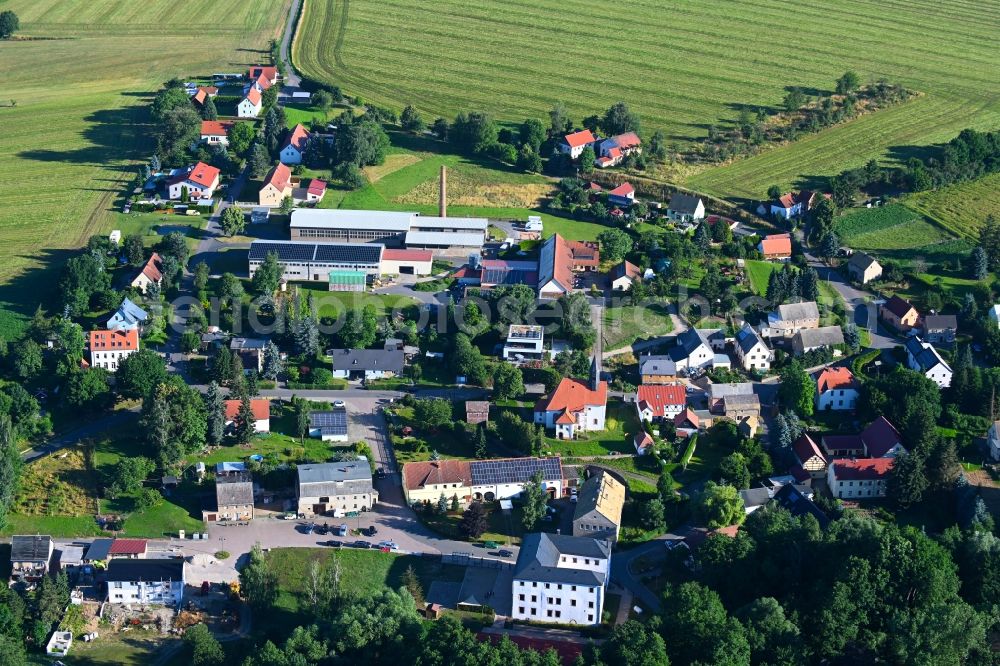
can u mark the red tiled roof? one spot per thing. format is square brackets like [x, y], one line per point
[280, 176]
[863, 469]
[627, 140]
[254, 96]
[786, 200]
[615, 152]
[216, 127]
[261, 408]
[879, 437]
[298, 138]
[805, 448]
[593, 187]
[416, 475]
[152, 268]
[643, 440]
[407, 255]
[627, 269]
[659, 397]
[584, 253]
[574, 396]
[562, 266]
[623, 190]
[898, 306]
[581, 138]
[200, 96]
[204, 175]
[127, 547]
[466, 272]
[687, 416]
[257, 71]
[114, 340]
[316, 187]
[776, 245]
[835, 378]
[565, 418]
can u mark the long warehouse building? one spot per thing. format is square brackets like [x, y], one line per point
[444, 235]
[335, 262]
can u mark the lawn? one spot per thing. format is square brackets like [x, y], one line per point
[759, 273]
[504, 528]
[961, 208]
[363, 573]
[620, 424]
[690, 66]
[86, 80]
[625, 324]
[892, 227]
[332, 303]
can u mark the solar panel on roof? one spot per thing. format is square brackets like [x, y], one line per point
[357, 253]
[332, 419]
[299, 252]
[520, 470]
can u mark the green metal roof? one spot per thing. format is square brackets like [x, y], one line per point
[348, 277]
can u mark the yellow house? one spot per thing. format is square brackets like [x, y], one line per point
[277, 186]
[426, 481]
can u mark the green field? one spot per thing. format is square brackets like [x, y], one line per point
[960, 208]
[81, 83]
[893, 227]
[759, 274]
[682, 66]
[626, 324]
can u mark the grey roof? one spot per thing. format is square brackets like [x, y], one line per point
[824, 336]
[590, 493]
[70, 555]
[375, 220]
[132, 570]
[331, 422]
[445, 238]
[435, 223]
[741, 402]
[128, 314]
[514, 470]
[360, 360]
[755, 497]
[691, 339]
[30, 548]
[99, 550]
[924, 353]
[792, 311]
[229, 467]
[657, 365]
[332, 479]
[792, 499]
[244, 344]
[940, 323]
[720, 391]
[747, 338]
[861, 260]
[234, 490]
[683, 203]
[539, 558]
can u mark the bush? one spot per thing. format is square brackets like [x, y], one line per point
[322, 376]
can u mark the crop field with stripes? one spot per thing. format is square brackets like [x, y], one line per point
[75, 85]
[684, 65]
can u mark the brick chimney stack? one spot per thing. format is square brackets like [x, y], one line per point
[443, 195]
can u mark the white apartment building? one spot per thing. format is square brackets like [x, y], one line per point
[560, 579]
[524, 343]
[109, 348]
[146, 581]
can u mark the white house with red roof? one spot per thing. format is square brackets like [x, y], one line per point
[199, 181]
[655, 402]
[611, 151]
[859, 478]
[150, 274]
[294, 145]
[316, 190]
[265, 72]
[109, 348]
[250, 105]
[572, 408]
[836, 389]
[573, 144]
[623, 275]
[623, 195]
[776, 246]
[216, 132]
[261, 409]
[643, 442]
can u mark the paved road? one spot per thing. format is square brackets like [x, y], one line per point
[291, 79]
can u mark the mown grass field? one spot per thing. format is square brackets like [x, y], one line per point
[893, 227]
[683, 66]
[960, 208]
[82, 74]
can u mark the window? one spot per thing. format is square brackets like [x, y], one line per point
[547, 586]
[574, 560]
[590, 604]
[520, 597]
[559, 587]
[548, 613]
[590, 618]
[520, 609]
[534, 598]
[558, 613]
[534, 611]
[574, 588]
[572, 602]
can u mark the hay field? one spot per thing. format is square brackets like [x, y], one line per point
[961, 208]
[81, 73]
[682, 64]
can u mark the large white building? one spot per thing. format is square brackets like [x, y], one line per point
[573, 407]
[109, 348]
[314, 261]
[524, 342]
[858, 478]
[836, 389]
[327, 487]
[146, 581]
[560, 579]
[391, 228]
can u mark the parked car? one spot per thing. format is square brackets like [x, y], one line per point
[342, 530]
[323, 529]
[370, 531]
[333, 543]
[289, 516]
[360, 544]
[307, 528]
[388, 544]
[505, 553]
[573, 495]
[338, 403]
